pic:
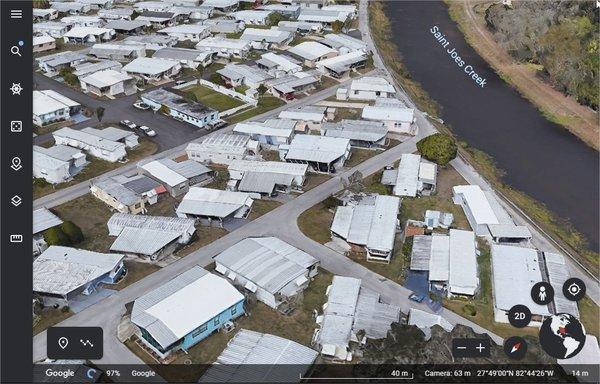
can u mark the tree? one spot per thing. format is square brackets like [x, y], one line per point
[262, 89]
[164, 110]
[439, 148]
[275, 18]
[71, 79]
[331, 202]
[55, 236]
[100, 113]
[337, 26]
[72, 231]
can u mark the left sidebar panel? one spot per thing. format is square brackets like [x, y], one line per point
[16, 132]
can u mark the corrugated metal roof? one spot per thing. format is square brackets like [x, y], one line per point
[221, 143]
[343, 62]
[139, 184]
[61, 270]
[254, 128]
[372, 316]
[388, 113]
[253, 357]
[421, 253]
[439, 262]
[319, 149]
[186, 168]
[268, 167]
[363, 130]
[514, 272]
[340, 40]
[121, 193]
[119, 221]
[371, 83]
[184, 303]
[213, 202]
[371, 225]
[150, 66]
[311, 50]
[109, 133]
[463, 263]
[143, 241]
[263, 182]
[558, 273]
[163, 173]
[44, 219]
[478, 203]
[509, 231]
[269, 35]
[268, 262]
[407, 181]
[88, 139]
[424, 319]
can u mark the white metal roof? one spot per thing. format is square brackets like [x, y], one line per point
[558, 273]
[268, 262]
[407, 179]
[340, 40]
[439, 261]
[119, 221]
[105, 78]
[150, 65]
[176, 308]
[88, 139]
[243, 71]
[268, 166]
[372, 83]
[477, 202]
[514, 272]
[321, 149]
[265, 129]
[373, 226]
[421, 253]
[118, 191]
[251, 15]
[311, 50]
[81, 32]
[424, 319]
[306, 113]
[181, 54]
[282, 62]
[463, 263]
[49, 101]
[343, 62]
[384, 113]
[163, 173]
[44, 39]
[363, 130]
[318, 15]
[254, 357]
[272, 35]
[221, 43]
[143, 241]
[60, 270]
[213, 202]
[44, 219]
[509, 231]
[221, 143]
[185, 28]
[427, 171]
[84, 69]
[109, 133]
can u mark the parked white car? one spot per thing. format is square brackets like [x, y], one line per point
[147, 131]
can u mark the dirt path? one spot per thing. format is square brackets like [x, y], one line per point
[578, 119]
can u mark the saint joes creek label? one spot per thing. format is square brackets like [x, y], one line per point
[468, 68]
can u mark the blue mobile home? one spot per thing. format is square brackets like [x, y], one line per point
[186, 310]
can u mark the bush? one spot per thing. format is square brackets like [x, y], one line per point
[469, 309]
[331, 202]
[164, 110]
[72, 231]
[56, 236]
[439, 148]
[217, 79]
[71, 79]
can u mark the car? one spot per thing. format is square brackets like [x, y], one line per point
[141, 105]
[127, 124]
[147, 131]
[416, 297]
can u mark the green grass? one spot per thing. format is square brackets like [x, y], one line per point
[590, 316]
[315, 223]
[260, 207]
[359, 155]
[221, 178]
[265, 104]
[213, 99]
[95, 168]
[397, 267]
[347, 113]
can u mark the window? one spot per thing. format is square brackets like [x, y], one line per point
[216, 321]
[233, 310]
[200, 330]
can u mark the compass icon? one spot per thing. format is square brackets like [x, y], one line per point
[16, 89]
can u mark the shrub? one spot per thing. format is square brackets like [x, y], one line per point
[331, 202]
[439, 148]
[56, 236]
[217, 79]
[469, 309]
[72, 231]
[164, 110]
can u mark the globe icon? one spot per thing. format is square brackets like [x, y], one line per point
[562, 336]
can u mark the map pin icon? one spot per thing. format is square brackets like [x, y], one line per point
[63, 342]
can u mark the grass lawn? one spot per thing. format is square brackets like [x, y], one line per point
[298, 326]
[213, 99]
[347, 113]
[135, 271]
[315, 223]
[326, 82]
[397, 267]
[265, 104]
[589, 316]
[260, 207]
[49, 317]
[270, 155]
[95, 168]
[359, 155]
[204, 236]
[414, 208]
[221, 178]
[315, 179]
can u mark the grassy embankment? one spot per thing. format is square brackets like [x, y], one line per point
[555, 106]
[95, 168]
[559, 228]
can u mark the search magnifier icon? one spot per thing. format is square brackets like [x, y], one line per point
[15, 50]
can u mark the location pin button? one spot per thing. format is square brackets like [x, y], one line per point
[63, 342]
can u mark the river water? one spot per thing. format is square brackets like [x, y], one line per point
[540, 158]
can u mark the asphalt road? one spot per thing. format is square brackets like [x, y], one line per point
[67, 194]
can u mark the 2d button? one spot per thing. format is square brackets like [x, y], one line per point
[519, 316]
